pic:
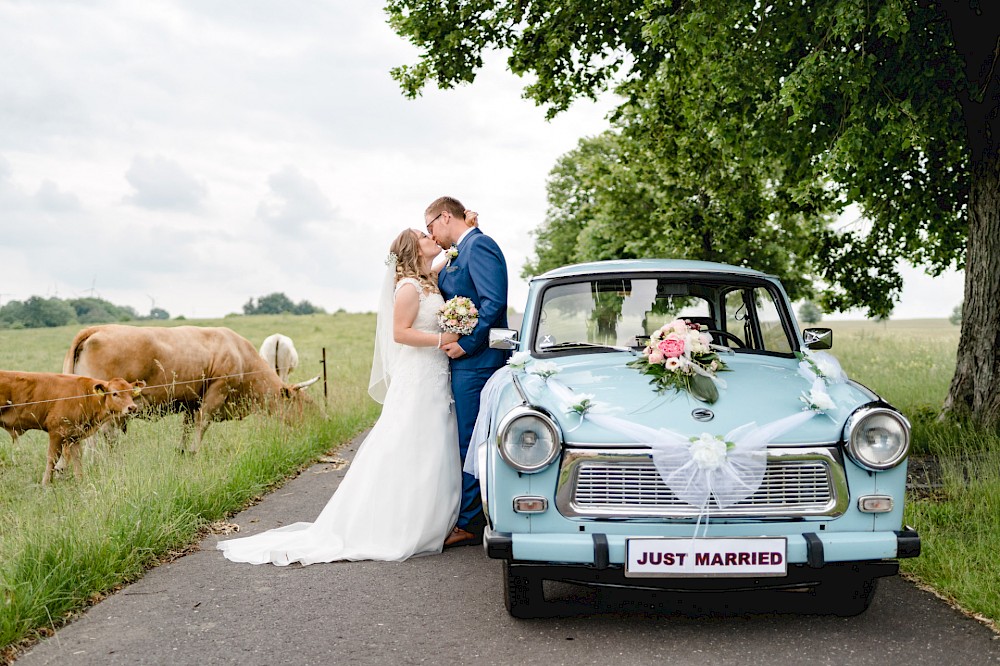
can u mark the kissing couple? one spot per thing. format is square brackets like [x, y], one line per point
[405, 494]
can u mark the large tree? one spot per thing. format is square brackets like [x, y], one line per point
[891, 104]
[619, 196]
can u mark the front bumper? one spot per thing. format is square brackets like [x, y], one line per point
[600, 552]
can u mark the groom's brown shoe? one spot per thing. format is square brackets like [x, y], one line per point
[459, 537]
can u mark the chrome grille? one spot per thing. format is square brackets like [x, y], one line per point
[796, 483]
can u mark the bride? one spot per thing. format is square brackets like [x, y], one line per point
[401, 494]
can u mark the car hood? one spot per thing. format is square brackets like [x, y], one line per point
[757, 389]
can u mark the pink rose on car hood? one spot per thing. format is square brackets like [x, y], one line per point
[671, 347]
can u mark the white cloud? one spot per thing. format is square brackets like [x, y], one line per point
[50, 198]
[161, 184]
[12, 196]
[295, 201]
[265, 148]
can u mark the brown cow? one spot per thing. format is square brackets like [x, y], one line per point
[205, 373]
[68, 407]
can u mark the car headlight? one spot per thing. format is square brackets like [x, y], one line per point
[877, 437]
[528, 439]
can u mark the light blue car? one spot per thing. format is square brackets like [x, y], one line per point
[666, 425]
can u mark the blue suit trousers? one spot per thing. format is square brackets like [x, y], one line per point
[466, 385]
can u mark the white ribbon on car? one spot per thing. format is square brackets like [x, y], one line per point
[821, 366]
[728, 469]
[489, 407]
[698, 370]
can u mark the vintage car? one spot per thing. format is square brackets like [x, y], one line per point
[665, 425]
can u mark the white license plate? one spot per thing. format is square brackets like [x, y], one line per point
[654, 557]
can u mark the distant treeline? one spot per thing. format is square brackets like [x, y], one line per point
[38, 312]
[278, 303]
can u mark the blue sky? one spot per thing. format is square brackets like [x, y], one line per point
[193, 155]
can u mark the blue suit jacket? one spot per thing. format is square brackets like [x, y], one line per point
[480, 273]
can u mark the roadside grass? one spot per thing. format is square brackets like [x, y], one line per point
[141, 502]
[910, 364]
[959, 524]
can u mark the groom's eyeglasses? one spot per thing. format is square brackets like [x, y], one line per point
[431, 223]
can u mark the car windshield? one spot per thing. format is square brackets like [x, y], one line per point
[744, 314]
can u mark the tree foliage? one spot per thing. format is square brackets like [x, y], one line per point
[38, 312]
[825, 103]
[630, 194]
[98, 310]
[889, 106]
[956, 315]
[810, 313]
[279, 303]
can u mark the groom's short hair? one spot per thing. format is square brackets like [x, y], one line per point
[450, 204]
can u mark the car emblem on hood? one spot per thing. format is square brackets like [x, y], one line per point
[702, 414]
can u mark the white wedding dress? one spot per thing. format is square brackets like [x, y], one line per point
[401, 495]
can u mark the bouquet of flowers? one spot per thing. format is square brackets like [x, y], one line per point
[679, 357]
[458, 315]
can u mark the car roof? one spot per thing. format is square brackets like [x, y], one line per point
[649, 265]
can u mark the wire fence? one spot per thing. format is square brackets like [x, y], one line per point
[242, 375]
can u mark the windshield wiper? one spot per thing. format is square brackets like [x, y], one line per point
[586, 345]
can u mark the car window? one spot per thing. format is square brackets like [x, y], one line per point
[772, 331]
[625, 311]
[753, 315]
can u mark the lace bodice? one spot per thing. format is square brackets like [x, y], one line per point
[430, 360]
[429, 303]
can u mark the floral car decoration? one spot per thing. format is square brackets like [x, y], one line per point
[679, 356]
[784, 475]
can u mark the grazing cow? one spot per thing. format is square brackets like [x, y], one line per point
[68, 407]
[205, 373]
[280, 354]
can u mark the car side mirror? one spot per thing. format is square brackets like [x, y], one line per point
[817, 338]
[503, 338]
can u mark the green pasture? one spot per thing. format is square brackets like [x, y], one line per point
[65, 545]
[908, 362]
[62, 547]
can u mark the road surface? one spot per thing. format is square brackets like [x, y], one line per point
[202, 609]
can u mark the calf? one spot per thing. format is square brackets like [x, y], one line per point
[68, 407]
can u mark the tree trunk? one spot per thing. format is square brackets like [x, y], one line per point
[975, 388]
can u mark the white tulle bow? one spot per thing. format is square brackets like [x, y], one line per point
[728, 468]
[725, 468]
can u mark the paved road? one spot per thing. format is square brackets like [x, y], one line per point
[203, 609]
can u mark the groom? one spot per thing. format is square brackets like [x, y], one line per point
[477, 271]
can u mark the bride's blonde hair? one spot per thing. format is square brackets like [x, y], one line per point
[409, 263]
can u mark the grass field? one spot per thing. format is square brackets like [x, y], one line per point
[62, 547]
[909, 363]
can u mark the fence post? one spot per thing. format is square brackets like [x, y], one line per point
[325, 395]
